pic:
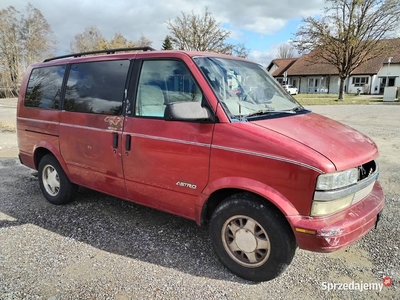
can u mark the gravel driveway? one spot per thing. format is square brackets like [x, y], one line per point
[100, 247]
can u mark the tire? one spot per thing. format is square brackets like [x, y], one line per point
[251, 238]
[55, 185]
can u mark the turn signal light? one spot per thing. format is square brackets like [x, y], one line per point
[306, 231]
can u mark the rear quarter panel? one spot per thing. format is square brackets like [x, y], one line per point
[36, 128]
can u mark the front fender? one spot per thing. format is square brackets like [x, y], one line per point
[253, 186]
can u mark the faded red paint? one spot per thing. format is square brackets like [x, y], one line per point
[278, 159]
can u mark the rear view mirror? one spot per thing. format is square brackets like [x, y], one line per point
[187, 111]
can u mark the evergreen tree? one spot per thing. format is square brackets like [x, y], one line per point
[167, 45]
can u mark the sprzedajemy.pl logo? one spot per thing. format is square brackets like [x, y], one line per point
[357, 286]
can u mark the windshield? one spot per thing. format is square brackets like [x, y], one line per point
[245, 89]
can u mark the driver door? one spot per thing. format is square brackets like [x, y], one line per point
[166, 163]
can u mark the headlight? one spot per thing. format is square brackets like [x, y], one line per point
[337, 180]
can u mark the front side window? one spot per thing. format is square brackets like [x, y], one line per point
[245, 90]
[44, 87]
[96, 87]
[162, 82]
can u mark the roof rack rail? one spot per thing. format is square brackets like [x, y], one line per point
[107, 51]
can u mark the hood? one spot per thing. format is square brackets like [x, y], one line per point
[344, 146]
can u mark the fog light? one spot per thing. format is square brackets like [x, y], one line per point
[323, 208]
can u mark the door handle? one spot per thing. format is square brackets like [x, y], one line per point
[128, 143]
[115, 140]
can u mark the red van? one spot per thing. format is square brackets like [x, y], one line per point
[208, 137]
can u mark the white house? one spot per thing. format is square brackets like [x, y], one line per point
[312, 76]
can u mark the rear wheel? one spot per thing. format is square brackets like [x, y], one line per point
[251, 239]
[54, 184]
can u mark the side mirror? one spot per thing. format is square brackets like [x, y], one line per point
[187, 111]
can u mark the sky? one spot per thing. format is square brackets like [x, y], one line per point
[262, 25]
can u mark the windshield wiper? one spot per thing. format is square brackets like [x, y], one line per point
[298, 108]
[270, 112]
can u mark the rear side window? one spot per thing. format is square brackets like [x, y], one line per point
[44, 87]
[96, 87]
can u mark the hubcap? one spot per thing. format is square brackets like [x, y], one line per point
[246, 241]
[51, 180]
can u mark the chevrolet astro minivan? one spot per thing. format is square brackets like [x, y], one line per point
[208, 137]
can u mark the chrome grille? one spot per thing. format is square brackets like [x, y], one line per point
[361, 194]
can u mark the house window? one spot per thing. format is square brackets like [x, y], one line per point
[360, 81]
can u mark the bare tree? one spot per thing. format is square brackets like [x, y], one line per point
[37, 37]
[144, 42]
[10, 51]
[199, 33]
[118, 41]
[349, 33]
[91, 39]
[285, 51]
[240, 50]
[24, 39]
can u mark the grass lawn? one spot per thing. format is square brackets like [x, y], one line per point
[332, 99]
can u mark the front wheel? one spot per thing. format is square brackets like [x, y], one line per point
[53, 181]
[251, 239]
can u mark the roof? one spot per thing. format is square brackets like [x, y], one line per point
[308, 64]
[283, 64]
[105, 51]
[127, 53]
[395, 58]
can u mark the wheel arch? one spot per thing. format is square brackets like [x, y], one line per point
[213, 201]
[39, 153]
[271, 197]
[43, 149]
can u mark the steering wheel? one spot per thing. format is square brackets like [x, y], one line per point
[269, 93]
[259, 95]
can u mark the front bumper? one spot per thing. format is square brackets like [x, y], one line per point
[341, 229]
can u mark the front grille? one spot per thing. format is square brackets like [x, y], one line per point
[361, 194]
[366, 170]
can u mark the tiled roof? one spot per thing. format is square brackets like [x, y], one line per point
[370, 67]
[307, 64]
[283, 64]
[395, 58]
